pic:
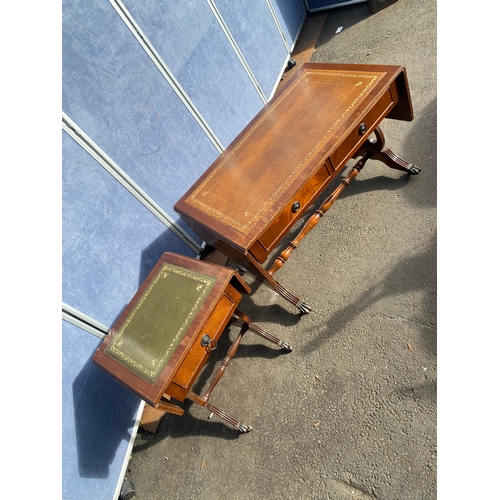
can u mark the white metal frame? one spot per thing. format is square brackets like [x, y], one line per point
[236, 49]
[105, 161]
[160, 64]
[77, 318]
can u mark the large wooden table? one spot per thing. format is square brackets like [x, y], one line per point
[161, 341]
[249, 198]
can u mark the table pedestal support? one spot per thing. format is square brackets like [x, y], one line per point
[371, 149]
[379, 152]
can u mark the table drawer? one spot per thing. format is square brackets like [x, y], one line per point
[291, 212]
[198, 354]
[287, 217]
[354, 140]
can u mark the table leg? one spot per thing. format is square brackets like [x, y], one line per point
[242, 317]
[210, 407]
[168, 407]
[371, 149]
[261, 274]
[203, 400]
[385, 155]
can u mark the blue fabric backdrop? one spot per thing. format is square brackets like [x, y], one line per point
[98, 416]
[114, 93]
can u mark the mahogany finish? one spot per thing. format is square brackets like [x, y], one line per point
[249, 198]
[134, 351]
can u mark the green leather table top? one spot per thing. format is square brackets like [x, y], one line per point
[159, 320]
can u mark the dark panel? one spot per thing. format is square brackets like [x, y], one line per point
[376, 5]
[327, 4]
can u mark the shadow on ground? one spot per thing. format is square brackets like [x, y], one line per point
[395, 282]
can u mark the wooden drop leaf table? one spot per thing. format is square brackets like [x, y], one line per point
[159, 344]
[326, 114]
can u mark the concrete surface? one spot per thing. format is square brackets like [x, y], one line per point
[351, 412]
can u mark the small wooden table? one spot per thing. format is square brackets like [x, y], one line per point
[249, 198]
[159, 344]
